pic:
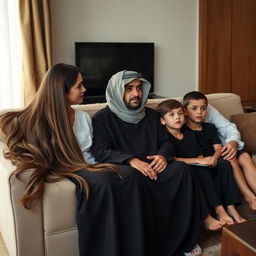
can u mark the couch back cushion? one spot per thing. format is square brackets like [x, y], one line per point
[227, 103]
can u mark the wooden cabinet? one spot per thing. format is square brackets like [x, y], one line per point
[227, 48]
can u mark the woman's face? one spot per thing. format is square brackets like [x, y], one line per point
[76, 93]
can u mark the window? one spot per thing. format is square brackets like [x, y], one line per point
[11, 88]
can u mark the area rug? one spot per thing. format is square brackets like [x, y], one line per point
[210, 242]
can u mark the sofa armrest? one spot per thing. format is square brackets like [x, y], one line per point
[22, 230]
[59, 213]
[28, 225]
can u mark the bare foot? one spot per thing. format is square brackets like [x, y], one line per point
[226, 218]
[213, 224]
[240, 219]
[223, 216]
[252, 204]
[234, 213]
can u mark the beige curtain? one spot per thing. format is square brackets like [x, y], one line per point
[36, 43]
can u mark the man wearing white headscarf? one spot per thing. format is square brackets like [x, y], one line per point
[126, 95]
[155, 206]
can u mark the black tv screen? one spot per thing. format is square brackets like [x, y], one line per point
[99, 61]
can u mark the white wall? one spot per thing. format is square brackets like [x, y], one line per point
[171, 24]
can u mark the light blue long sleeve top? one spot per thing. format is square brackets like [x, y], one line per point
[226, 129]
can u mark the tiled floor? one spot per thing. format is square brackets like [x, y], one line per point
[3, 251]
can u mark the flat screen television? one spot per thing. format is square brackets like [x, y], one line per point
[99, 61]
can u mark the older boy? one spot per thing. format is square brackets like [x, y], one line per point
[244, 168]
[195, 104]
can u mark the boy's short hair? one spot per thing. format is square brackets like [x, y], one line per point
[167, 106]
[194, 95]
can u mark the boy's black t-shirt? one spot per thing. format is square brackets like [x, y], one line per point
[206, 138]
[187, 147]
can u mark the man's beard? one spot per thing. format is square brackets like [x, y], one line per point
[133, 106]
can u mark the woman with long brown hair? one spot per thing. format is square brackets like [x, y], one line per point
[46, 137]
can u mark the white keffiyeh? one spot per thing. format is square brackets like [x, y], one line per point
[115, 92]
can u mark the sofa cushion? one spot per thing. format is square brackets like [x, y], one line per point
[246, 123]
[227, 103]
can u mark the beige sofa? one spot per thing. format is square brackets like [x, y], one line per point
[50, 229]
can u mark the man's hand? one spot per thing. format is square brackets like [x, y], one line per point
[159, 163]
[143, 167]
[229, 150]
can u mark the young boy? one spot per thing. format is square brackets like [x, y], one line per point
[195, 104]
[187, 150]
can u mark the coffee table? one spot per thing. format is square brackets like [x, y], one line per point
[239, 239]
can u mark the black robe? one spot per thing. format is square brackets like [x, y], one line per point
[187, 147]
[137, 216]
[116, 141]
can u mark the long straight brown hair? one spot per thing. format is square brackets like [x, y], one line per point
[40, 137]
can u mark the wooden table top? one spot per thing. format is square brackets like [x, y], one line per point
[244, 232]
